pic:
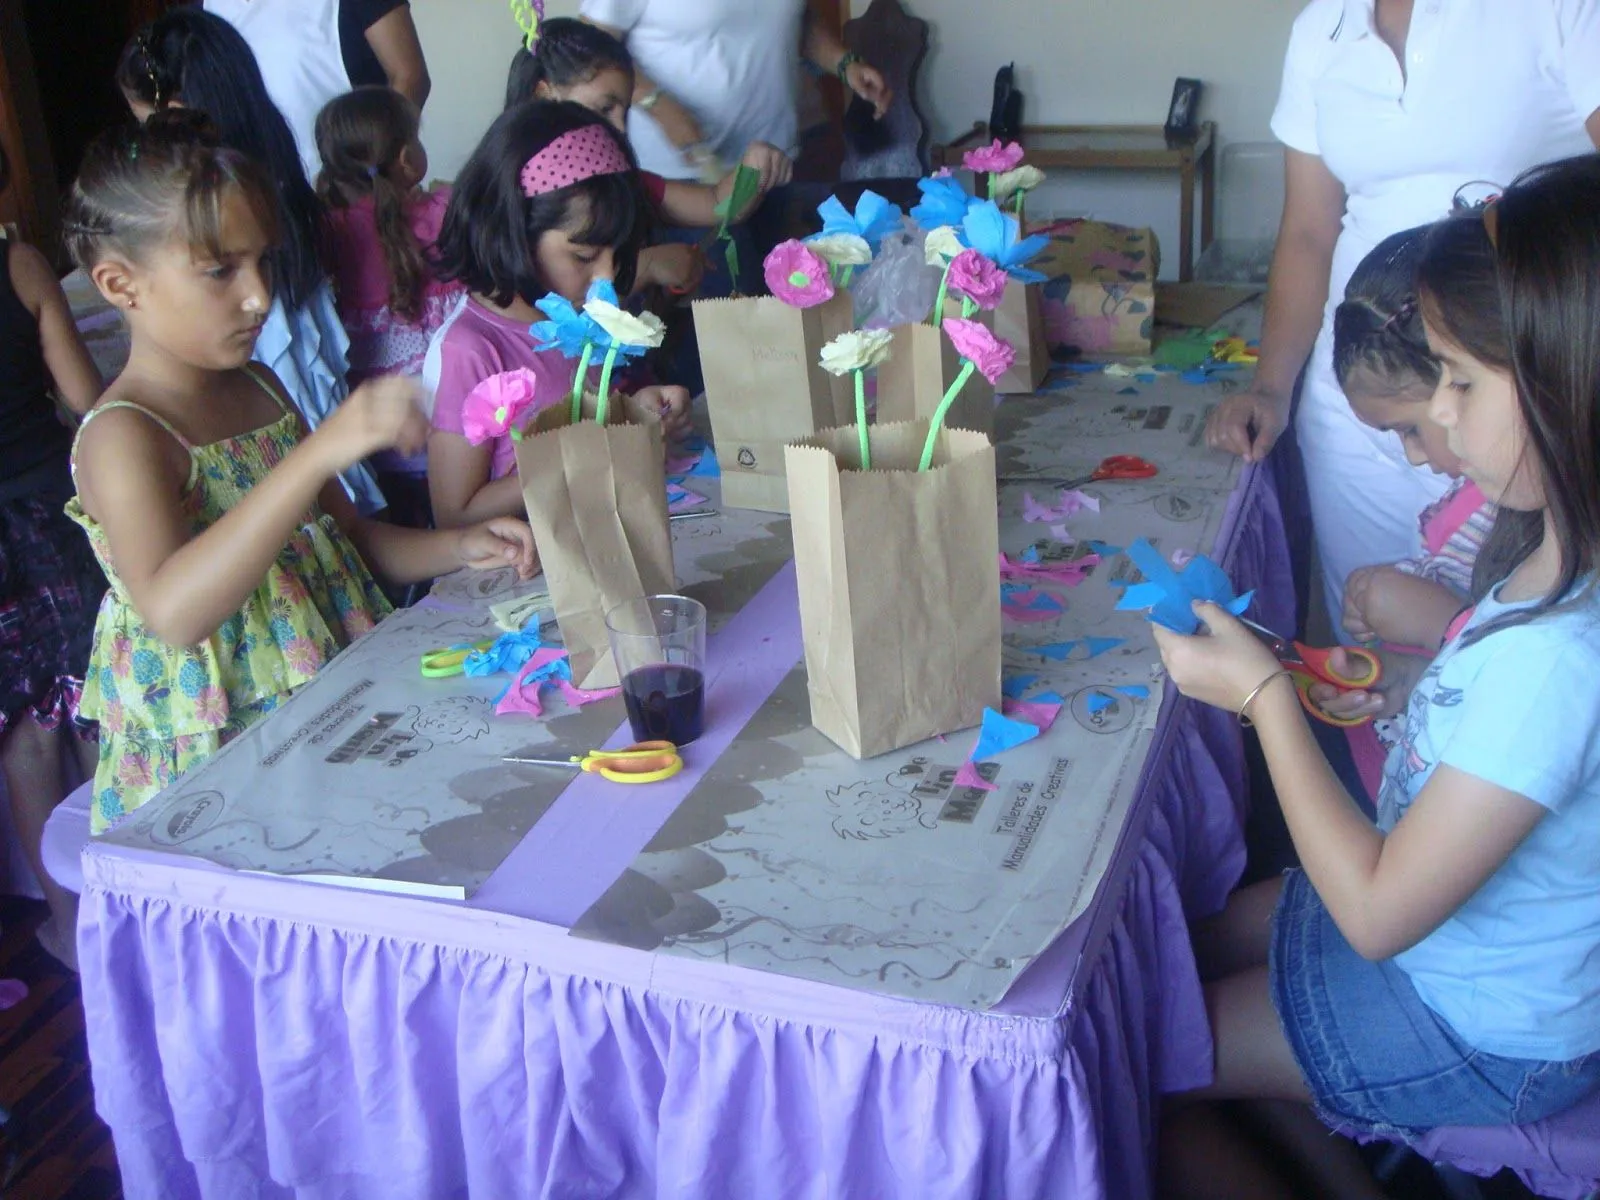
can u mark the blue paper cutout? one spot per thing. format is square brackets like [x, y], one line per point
[708, 466]
[508, 653]
[1128, 391]
[1048, 698]
[944, 202]
[1085, 368]
[1031, 554]
[1099, 702]
[1000, 734]
[1044, 602]
[1098, 646]
[1135, 691]
[1013, 686]
[1055, 650]
[1168, 594]
[1104, 549]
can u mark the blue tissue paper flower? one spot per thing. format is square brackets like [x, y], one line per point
[1168, 593]
[944, 202]
[874, 219]
[569, 329]
[996, 236]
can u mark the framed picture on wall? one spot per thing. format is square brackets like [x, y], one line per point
[1183, 115]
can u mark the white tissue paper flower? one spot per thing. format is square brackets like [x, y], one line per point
[645, 329]
[1018, 179]
[840, 249]
[942, 245]
[858, 350]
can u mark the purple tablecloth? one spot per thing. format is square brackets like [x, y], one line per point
[258, 1037]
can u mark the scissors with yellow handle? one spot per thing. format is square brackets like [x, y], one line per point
[1310, 665]
[451, 660]
[643, 762]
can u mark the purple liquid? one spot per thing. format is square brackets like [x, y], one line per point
[665, 703]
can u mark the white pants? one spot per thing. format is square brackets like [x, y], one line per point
[1365, 497]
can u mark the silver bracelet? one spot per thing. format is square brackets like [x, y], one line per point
[1244, 709]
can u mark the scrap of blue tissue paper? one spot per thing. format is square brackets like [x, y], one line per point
[1000, 734]
[1168, 594]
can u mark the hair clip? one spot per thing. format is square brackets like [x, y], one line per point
[1400, 315]
[145, 52]
[527, 14]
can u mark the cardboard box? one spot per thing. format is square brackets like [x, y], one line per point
[1100, 297]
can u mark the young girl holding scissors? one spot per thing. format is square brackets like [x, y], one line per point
[1442, 967]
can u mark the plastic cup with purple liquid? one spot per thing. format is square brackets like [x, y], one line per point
[659, 643]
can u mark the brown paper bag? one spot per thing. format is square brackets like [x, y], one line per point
[1020, 321]
[765, 387]
[922, 365]
[899, 589]
[597, 501]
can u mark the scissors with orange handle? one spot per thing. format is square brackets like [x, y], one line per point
[1310, 665]
[643, 762]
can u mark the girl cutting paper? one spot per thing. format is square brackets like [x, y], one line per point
[548, 203]
[1443, 966]
[238, 567]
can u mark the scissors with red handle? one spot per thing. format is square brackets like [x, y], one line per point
[1118, 466]
[1310, 665]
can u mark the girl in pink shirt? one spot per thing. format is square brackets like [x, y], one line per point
[380, 228]
[548, 203]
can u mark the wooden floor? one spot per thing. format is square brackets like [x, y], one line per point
[52, 1145]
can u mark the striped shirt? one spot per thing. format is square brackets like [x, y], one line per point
[1453, 531]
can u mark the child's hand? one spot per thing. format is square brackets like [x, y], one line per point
[667, 405]
[773, 165]
[672, 265]
[1221, 667]
[1400, 675]
[379, 415]
[498, 542]
[1357, 587]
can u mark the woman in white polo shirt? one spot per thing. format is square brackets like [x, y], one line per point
[1389, 110]
[712, 76]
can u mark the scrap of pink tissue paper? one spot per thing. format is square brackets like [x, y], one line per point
[1181, 557]
[1070, 573]
[968, 777]
[1069, 504]
[1035, 712]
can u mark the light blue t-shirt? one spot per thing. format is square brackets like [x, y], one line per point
[1516, 969]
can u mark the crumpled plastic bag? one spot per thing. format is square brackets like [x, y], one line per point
[899, 287]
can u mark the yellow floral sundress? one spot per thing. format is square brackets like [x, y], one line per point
[163, 709]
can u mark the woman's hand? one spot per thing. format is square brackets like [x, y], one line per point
[498, 542]
[1388, 699]
[667, 405]
[1223, 666]
[676, 266]
[866, 81]
[774, 166]
[381, 414]
[1248, 423]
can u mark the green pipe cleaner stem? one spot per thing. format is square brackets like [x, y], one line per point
[944, 290]
[967, 367]
[605, 385]
[861, 421]
[577, 383]
[968, 307]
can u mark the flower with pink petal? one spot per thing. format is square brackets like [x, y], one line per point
[992, 356]
[798, 276]
[975, 277]
[500, 404]
[993, 159]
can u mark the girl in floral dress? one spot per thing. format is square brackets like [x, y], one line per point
[237, 565]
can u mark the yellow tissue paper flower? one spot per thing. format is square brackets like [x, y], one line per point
[841, 249]
[858, 350]
[1019, 179]
[942, 245]
[645, 329]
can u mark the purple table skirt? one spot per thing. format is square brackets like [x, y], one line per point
[257, 1037]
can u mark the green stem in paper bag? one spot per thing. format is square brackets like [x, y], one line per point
[861, 421]
[944, 290]
[577, 383]
[967, 367]
[1022, 221]
[849, 273]
[605, 385]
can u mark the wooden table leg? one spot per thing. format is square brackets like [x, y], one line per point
[1208, 198]
[1186, 221]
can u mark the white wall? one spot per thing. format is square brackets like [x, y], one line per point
[1078, 61]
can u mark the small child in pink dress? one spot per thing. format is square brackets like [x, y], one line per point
[380, 230]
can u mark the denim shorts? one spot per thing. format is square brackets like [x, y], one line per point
[1376, 1058]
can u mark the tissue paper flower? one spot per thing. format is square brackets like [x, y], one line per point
[840, 249]
[858, 350]
[797, 276]
[995, 235]
[943, 244]
[993, 159]
[569, 330]
[1022, 179]
[874, 219]
[991, 355]
[944, 202]
[632, 334]
[499, 404]
[978, 279]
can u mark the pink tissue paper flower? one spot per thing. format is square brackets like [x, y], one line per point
[976, 277]
[991, 355]
[501, 403]
[798, 276]
[993, 158]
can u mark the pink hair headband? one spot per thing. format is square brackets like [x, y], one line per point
[576, 155]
